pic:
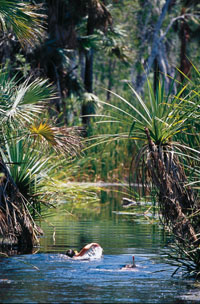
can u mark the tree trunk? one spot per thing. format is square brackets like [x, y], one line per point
[185, 65]
[111, 68]
[63, 36]
[156, 76]
[82, 65]
[88, 79]
[156, 45]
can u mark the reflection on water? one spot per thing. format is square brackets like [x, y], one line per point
[50, 277]
[104, 224]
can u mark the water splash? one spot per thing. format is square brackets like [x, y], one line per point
[93, 253]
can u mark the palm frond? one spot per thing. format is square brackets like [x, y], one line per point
[66, 140]
[21, 103]
[22, 19]
[24, 164]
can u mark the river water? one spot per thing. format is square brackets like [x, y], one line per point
[49, 277]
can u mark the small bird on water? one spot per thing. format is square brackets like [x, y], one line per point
[130, 266]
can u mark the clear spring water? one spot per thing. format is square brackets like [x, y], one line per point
[49, 277]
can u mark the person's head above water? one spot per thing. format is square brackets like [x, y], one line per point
[70, 253]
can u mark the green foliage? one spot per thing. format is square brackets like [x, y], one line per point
[162, 114]
[168, 123]
[43, 177]
[186, 258]
[61, 186]
[21, 18]
[21, 103]
[27, 166]
[29, 143]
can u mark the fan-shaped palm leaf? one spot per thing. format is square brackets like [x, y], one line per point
[21, 103]
[22, 19]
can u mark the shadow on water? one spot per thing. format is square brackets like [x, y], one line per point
[50, 277]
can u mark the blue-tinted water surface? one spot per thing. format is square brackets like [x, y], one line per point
[48, 276]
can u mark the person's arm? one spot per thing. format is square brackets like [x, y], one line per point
[86, 248]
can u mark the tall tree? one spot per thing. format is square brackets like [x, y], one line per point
[98, 17]
[186, 32]
[158, 50]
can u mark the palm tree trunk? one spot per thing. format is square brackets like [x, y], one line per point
[88, 81]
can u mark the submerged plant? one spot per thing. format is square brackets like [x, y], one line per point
[186, 258]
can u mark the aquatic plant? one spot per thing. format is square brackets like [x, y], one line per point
[186, 258]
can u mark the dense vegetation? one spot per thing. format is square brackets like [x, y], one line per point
[117, 80]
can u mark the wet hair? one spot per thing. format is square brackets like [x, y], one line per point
[70, 253]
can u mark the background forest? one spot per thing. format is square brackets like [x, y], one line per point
[88, 47]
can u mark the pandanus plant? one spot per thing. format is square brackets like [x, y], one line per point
[161, 163]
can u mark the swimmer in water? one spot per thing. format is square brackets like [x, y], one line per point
[130, 266]
[92, 248]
